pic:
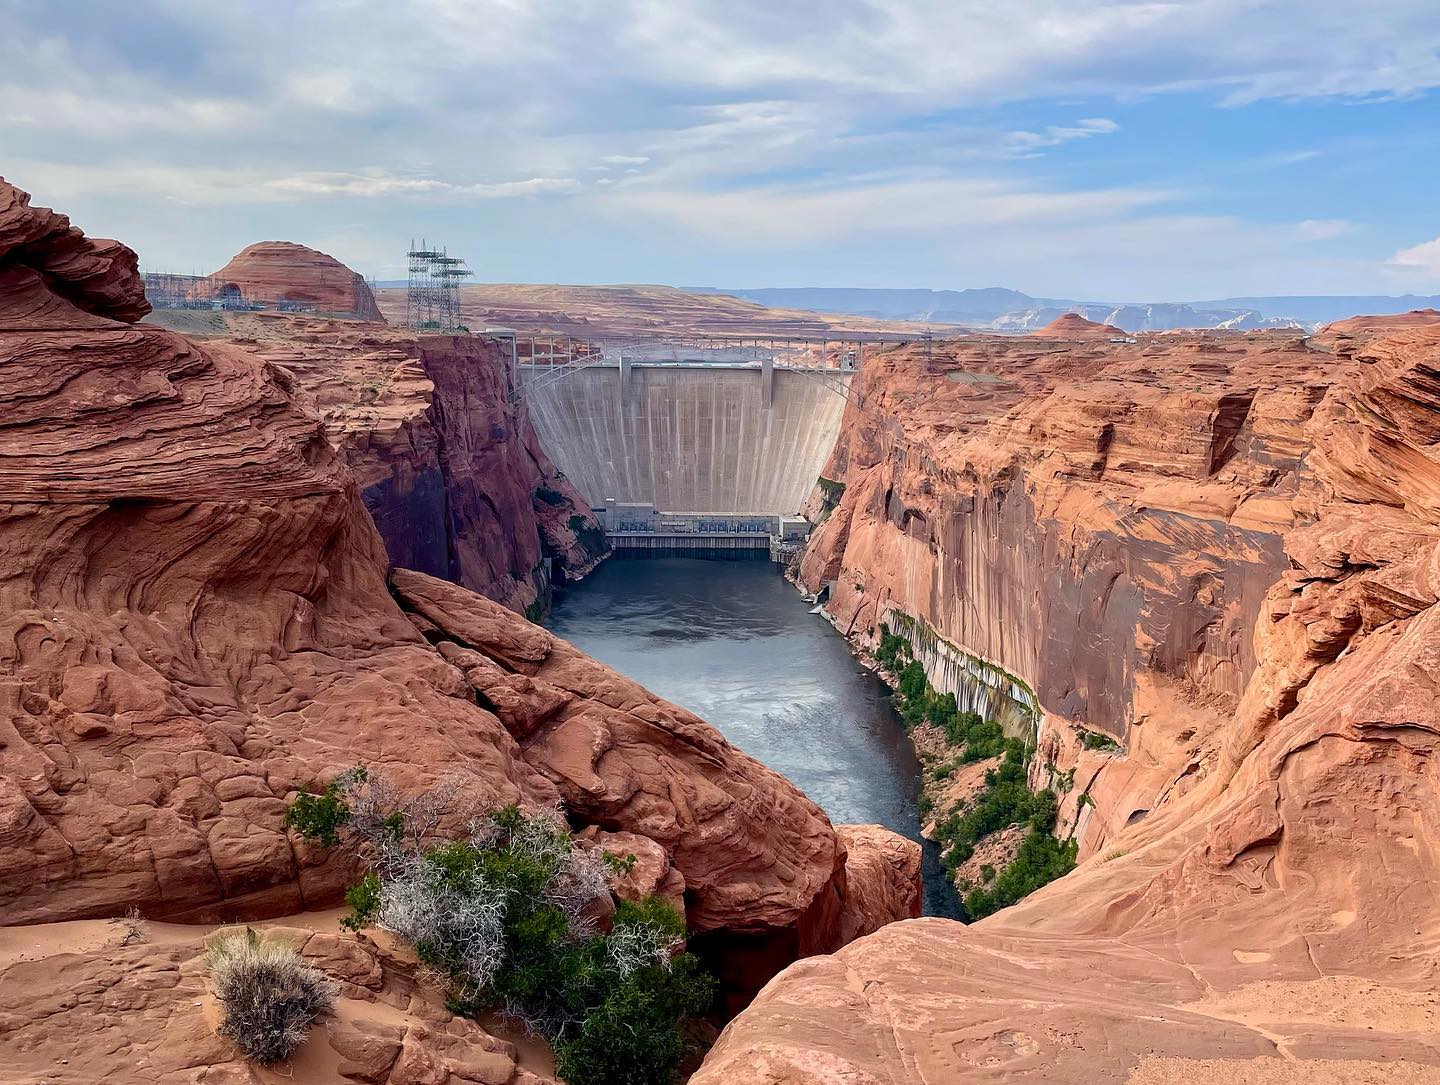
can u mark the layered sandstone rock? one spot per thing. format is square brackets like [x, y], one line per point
[1261, 634]
[282, 272]
[1100, 519]
[195, 622]
[883, 876]
[443, 448]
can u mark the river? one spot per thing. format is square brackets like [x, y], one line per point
[734, 643]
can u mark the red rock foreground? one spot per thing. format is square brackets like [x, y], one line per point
[1224, 551]
[195, 621]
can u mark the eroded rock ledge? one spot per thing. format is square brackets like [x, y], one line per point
[195, 622]
[448, 463]
[1223, 552]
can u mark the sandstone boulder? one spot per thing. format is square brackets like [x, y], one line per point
[883, 872]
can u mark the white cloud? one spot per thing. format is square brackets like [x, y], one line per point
[382, 184]
[90, 111]
[751, 122]
[1423, 257]
[808, 215]
[214, 186]
[1052, 136]
[1322, 229]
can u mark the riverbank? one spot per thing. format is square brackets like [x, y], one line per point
[996, 832]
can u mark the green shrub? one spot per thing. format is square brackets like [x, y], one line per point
[1096, 740]
[363, 899]
[912, 683]
[1041, 860]
[268, 995]
[892, 651]
[504, 917]
[630, 1036]
[321, 817]
[1006, 801]
[589, 534]
[551, 497]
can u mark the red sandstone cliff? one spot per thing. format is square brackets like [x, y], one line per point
[1222, 550]
[447, 460]
[274, 272]
[195, 621]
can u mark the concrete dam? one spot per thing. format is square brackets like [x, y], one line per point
[702, 448]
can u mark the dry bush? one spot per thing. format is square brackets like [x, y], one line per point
[132, 926]
[268, 995]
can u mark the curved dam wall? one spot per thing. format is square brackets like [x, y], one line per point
[688, 438]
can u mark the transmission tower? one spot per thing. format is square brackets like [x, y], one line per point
[433, 294]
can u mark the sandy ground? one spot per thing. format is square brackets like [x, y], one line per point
[1161, 1070]
[316, 1062]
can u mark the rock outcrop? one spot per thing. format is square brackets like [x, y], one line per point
[447, 459]
[196, 621]
[883, 876]
[1222, 552]
[274, 273]
[1075, 326]
[100, 1000]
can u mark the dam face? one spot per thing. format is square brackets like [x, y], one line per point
[734, 440]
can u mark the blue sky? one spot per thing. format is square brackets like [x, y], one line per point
[1099, 150]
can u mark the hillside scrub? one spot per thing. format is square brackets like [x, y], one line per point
[1006, 799]
[505, 919]
[268, 995]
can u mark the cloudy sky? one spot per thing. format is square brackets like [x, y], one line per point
[1075, 148]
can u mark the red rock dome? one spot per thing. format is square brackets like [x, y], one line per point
[1075, 326]
[283, 272]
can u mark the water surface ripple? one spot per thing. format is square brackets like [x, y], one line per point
[734, 643]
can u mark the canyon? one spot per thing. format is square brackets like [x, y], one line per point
[201, 618]
[445, 455]
[1196, 574]
[1220, 552]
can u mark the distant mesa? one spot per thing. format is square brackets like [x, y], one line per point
[1075, 326]
[1415, 318]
